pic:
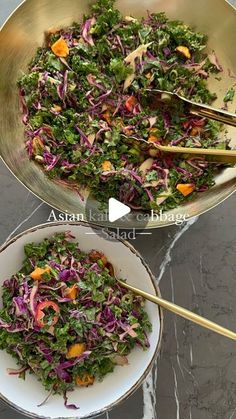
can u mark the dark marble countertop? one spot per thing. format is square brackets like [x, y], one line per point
[195, 375]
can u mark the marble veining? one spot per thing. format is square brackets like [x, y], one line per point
[167, 257]
[233, 414]
[176, 394]
[14, 232]
[149, 386]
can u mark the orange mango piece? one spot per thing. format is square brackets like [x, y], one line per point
[56, 108]
[86, 380]
[184, 51]
[76, 350]
[130, 103]
[185, 188]
[153, 139]
[107, 116]
[71, 292]
[38, 272]
[95, 256]
[60, 48]
[195, 131]
[106, 166]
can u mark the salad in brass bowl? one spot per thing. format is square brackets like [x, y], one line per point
[81, 70]
[85, 90]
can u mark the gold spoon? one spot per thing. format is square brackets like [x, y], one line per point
[212, 154]
[180, 311]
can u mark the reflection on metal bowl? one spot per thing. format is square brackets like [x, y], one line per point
[24, 32]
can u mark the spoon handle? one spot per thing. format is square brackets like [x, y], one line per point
[213, 154]
[181, 311]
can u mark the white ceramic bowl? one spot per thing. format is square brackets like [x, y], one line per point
[26, 395]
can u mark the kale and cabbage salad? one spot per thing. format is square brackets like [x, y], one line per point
[66, 319]
[84, 97]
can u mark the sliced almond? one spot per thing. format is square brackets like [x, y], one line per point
[91, 138]
[146, 165]
[130, 19]
[152, 183]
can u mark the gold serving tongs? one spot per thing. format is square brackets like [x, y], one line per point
[193, 108]
[212, 154]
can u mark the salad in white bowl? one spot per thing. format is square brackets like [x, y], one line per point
[67, 328]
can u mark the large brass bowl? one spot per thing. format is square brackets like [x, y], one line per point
[24, 32]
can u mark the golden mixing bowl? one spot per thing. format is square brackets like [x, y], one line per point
[24, 32]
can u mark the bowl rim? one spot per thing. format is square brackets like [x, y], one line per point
[166, 223]
[130, 247]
